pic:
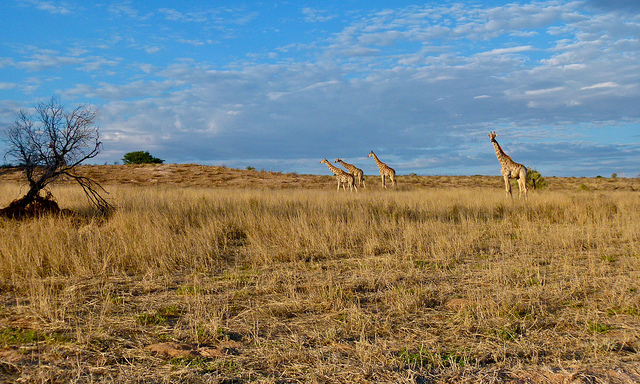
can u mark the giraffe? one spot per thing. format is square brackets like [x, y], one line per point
[385, 170]
[357, 173]
[510, 169]
[342, 176]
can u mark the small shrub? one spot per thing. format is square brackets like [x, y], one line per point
[509, 333]
[583, 187]
[599, 328]
[14, 336]
[608, 258]
[453, 359]
[171, 311]
[190, 290]
[535, 179]
[419, 358]
[424, 358]
[150, 319]
[421, 264]
[140, 157]
[633, 311]
[20, 336]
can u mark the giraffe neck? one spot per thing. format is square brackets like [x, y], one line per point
[332, 168]
[503, 158]
[379, 163]
[348, 166]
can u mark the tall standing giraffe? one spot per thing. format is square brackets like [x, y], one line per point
[342, 176]
[510, 169]
[357, 173]
[385, 170]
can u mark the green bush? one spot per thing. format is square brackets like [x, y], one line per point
[141, 157]
[535, 179]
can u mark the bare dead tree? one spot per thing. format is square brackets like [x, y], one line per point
[50, 142]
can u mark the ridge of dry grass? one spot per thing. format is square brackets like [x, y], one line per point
[195, 175]
[194, 284]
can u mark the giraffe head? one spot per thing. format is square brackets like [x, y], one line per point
[324, 161]
[370, 154]
[337, 160]
[492, 135]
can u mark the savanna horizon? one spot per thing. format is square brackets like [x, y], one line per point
[220, 275]
[187, 175]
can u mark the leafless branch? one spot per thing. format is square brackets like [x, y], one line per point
[51, 142]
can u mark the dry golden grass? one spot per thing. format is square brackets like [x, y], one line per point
[192, 175]
[278, 281]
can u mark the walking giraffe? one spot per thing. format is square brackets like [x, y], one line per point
[342, 176]
[357, 173]
[385, 170]
[510, 169]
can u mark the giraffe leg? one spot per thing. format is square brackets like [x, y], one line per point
[393, 179]
[522, 185]
[507, 186]
[338, 184]
[384, 185]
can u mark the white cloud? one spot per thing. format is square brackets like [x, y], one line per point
[319, 85]
[538, 92]
[134, 89]
[48, 6]
[313, 15]
[524, 33]
[196, 43]
[41, 61]
[123, 10]
[152, 49]
[175, 15]
[608, 84]
[506, 51]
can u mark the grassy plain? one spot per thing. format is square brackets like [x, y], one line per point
[208, 274]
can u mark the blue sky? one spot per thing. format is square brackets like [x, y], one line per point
[279, 85]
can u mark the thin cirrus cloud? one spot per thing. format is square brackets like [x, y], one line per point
[281, 86]
[608, 84]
